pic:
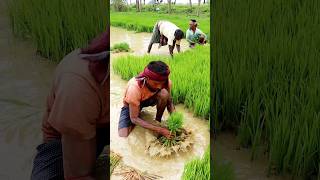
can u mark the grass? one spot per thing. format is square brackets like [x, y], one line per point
[198, 168]
[58, 27]
[145, 21]
[267, 79]
[189, 76]
[121, 47]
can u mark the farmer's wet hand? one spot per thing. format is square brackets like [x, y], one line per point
[165, 132]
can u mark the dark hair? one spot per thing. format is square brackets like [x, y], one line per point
[178, 34]
[193, 20]
[158, 67]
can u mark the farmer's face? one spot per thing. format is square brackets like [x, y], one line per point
[192, 25]
[155, 85]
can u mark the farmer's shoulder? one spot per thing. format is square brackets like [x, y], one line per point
[133, 84]
[73, 64]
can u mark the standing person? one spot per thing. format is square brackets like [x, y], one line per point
[150, 88]
[194, 35]
[76, 121]
[165, 32]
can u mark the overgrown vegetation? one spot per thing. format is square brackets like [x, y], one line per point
[58, 27]
[120, 47]
[189, 75]
[267, 79]
[145, 21]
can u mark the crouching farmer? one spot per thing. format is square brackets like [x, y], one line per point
[150, 88]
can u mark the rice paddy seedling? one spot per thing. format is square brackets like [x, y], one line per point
[267, 79]
[58, 27]
[145, 21]
[114, 161]
[198, 168]
[128, 173]
[175, 121]
[121, 47]
[174, 124]
[189, 76]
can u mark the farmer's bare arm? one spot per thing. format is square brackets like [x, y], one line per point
[170, 106]
[134, 116]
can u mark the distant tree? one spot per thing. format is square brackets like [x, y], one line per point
[204, 1]
[199, 2]
[137, 5]
[190, 3]
[169, 6]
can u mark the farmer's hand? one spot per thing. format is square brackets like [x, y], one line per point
[165, 132]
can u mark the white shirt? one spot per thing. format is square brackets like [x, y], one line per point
[168, 29]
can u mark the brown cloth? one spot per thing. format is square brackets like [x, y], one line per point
[76, 106]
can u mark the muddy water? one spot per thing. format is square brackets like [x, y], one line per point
[139, 42]
[25, 79]
[132, 149]
[227, 147]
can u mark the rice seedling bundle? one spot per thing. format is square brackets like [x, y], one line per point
[57, 27]
[130, 173]
[267, 79]
[121, 47]
[190, 73]
[180, 142]
[114, 161]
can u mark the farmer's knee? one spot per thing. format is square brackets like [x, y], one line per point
[163, 94]
[124, 132]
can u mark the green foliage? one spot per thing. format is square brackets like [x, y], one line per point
[198, 168]
[175, 9]
[114, 161]
[190, 76]
[145, 21]
[119, 5]
[175, 121]
[57, 26]
[267, 79]
[121, 47]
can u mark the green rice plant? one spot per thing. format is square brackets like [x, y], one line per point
[189, 76]
[114, 161]
[121, 47]
[175, 121]
[58, 27]
[145, 21]
[266, 80]
[174, 124]
[198, 168]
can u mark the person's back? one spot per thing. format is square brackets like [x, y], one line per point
[76, 120]
[73, 69]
